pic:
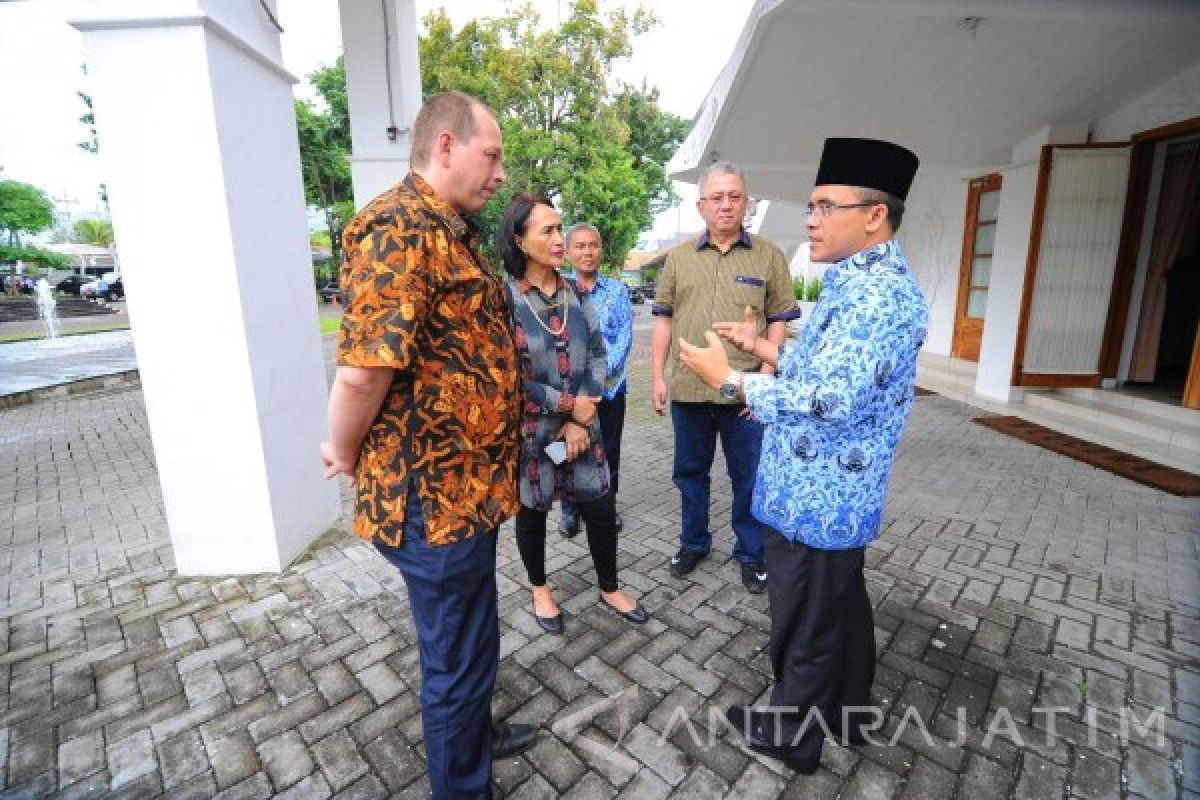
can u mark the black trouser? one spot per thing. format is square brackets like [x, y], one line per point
[600, 518]
[611, 414]
[822, 639]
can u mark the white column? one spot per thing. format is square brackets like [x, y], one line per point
[1014, 226]
[383, 87]
[196, 123]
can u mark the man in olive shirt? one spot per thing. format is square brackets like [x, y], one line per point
[706, 280]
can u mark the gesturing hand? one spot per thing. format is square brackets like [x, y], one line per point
[741, 335]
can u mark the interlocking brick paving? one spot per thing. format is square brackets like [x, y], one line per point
[1009, 580]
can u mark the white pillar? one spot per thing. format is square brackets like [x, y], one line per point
[383, 88]
[1014, 226]
[196, 123]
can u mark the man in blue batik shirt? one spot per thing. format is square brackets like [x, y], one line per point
[614, 309]
[833, 413]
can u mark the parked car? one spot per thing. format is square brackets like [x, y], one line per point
[110, 287]
[72, 284]
[330, 291]
[636, 296]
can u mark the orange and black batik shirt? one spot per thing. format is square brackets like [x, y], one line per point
[424, 302]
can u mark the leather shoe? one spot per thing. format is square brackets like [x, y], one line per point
[510, 738]
[756, 730]
[685, 561]
[637, 615]
[754, 577]
[552, 625]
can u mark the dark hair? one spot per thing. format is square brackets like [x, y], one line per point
[447, 111]
[895, 206]
[512, 225]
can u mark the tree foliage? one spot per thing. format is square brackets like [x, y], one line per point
[325, 152]
[596, 150]
[23, 209]
[598, 154]
[93, 231]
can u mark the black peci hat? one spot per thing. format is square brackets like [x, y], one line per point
[869, 163]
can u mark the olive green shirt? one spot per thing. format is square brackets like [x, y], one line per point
[699, 285]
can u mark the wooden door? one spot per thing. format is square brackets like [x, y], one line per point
[1070, 273]
[975, 271]
[1191, 390]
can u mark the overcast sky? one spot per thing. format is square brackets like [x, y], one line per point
[40, 58]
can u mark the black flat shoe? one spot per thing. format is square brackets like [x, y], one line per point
[552, 625]
[638, 615]
[568, 525]
[510, 738]
[755, 736]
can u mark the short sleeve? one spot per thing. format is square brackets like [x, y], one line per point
[664, 294]
[388, 283]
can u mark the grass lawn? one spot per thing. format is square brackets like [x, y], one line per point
[330, 324]
[24, 337]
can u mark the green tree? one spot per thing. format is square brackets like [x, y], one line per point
[325, 152]
[93, 231]
[598, 155]
[25, 209]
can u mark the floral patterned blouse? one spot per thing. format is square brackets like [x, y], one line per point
[557, 369]
[423, 301]
[838, 404]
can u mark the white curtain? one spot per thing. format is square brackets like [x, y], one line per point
[1081, 229]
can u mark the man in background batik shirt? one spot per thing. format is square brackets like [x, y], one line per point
[614, 309]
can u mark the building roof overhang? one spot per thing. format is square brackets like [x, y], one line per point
[957, 81]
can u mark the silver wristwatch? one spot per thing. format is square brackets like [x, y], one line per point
[731, 387]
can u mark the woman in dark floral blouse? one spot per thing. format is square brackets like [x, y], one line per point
[561, 348]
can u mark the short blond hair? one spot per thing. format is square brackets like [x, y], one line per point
[446, 111]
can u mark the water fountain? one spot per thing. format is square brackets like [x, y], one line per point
[47, 308]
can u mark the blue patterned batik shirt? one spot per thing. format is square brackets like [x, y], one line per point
[610, 300]
[836, 408]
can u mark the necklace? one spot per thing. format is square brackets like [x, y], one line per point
[566, 315]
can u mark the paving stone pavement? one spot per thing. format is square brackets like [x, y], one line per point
[1009, 580]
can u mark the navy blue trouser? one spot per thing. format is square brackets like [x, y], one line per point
[697, 426]
[452, 593]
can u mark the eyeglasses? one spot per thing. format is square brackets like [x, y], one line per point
[718, 199]
[823, 210]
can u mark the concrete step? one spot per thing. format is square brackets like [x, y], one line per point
[1180, 454]
[948, 364]
[1115, 398]
[1160, 425]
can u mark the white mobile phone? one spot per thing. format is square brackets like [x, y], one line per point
[557, 450]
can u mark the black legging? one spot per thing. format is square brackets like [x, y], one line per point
[600, 518]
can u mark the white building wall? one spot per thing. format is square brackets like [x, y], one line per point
[1177, 99]
[931, 237]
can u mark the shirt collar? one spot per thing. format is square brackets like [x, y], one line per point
[867, 258]
[460, 227]
[525, 286]
[743, 239]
